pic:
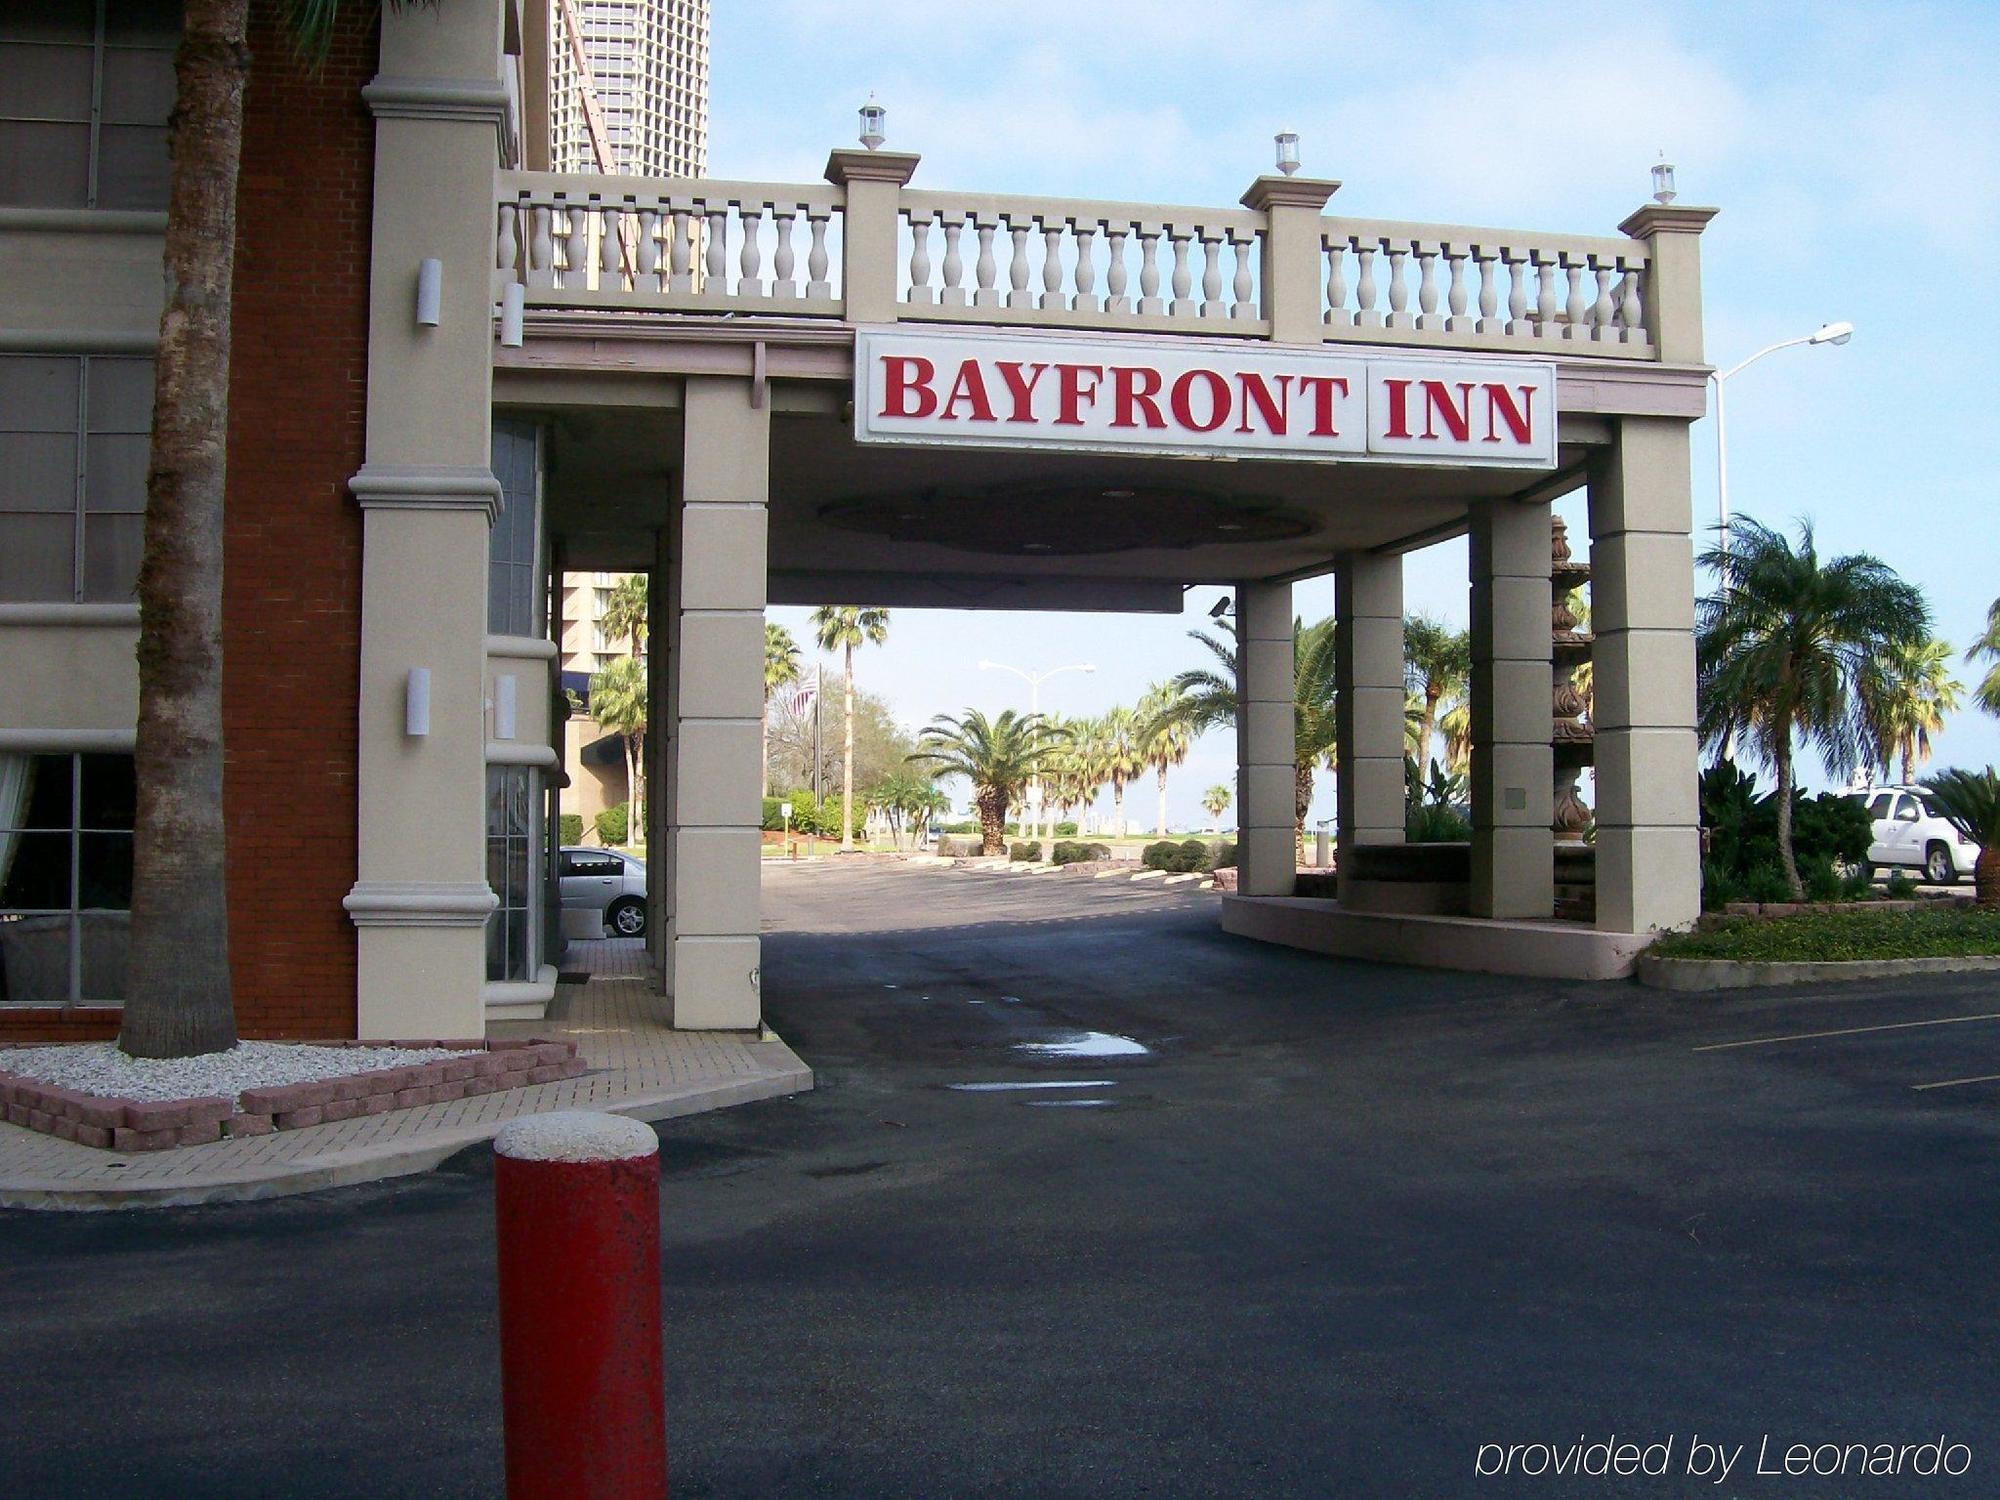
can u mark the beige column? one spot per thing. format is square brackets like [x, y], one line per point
[429, 496]
[663, 615]
[1513, 764]
[716, 670]
[1266, 852]
[1293, 259]
[1368, 716]
[873, 182]
[1643, 695]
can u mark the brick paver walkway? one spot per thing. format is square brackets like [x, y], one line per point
[639, 1066]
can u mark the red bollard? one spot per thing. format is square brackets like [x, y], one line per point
[576, 1200]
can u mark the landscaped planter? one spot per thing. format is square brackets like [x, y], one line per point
[158, 1125]
[1695, 974]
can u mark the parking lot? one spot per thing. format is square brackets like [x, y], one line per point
[1092, 1199]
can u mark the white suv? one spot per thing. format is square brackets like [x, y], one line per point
[1909, 832]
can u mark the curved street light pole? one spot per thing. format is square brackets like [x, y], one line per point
[1035, 681]
[1829, 333]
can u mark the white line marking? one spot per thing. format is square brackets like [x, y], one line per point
[1807, 1036]
[1952, 1083]
[1000, 1088]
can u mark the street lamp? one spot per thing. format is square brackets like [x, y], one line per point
[1035, 681]
[1830, 333]
[874, 124]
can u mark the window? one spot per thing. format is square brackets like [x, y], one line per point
[511, 815]
[514, 546]
[592, 864]
[65, 878]
[1879, 808]
[1906, 809]
[73, 447]
[85, 90]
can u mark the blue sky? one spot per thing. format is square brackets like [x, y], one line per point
[1854, 151]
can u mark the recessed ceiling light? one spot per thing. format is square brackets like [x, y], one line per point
[1119, 494]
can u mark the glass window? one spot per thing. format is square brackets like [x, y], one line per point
[514, 546]
[511, 826]
[86, 87]
[1879, 808]
[65, 878]
[73, 450]
[1906, 809]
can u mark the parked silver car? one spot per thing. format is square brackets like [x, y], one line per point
[603, 880]
[1909, 833]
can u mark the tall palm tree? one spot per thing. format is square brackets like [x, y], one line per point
[178, 1001]
[1784, 646]
[1215, 801]
[997, 756]
[618, 703]
[1455, 724]
[1121, 756]
[846, 628]
[1164, 741]
[1906, 693]
[1080, 758]
[781, 669]
[1987, 648]
[1970, 802]
[1437, 662]
[625, 614]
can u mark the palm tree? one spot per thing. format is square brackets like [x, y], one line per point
[1163, 740]
[846, 628]
[178, 1001]
[997, 756]
[1987, 648]
[618, 702]
[1215, 800]
[1121, 758]
[1080, 762]
[625, 613]
[1784, 647]
[1970, 802]
[1906, 694]
[1208, 699]
[1455, 724]
[1437, 660]
[781, 669]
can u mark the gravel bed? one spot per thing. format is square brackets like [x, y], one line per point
[100, 1068]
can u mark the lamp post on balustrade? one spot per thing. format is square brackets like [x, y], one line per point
[1035, 681]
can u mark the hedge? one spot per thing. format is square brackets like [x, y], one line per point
[612, 824]
[572, 828]
[1030, 851]
[1862, 933]
[1188, 857]
[1070, 852]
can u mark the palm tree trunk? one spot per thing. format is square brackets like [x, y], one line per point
[1986, 879]
[1784, 795]
[1163, 800]
[847, 765]
[631, 789]
[992, 804]
[1117, 808]
[1302, 796]
[1431, 697]
[178, 1001]
[1909, 764]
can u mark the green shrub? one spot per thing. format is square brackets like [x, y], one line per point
[1066, 830]
[1820, 880]
[1900, 887]
[1223, 857]
[1164, 855]
[1866, 933]
[1430, 823]
[1766, 883]
[572, 828]
[1029, 851]
[1857, 886]
[960, 828]
[1072, 852]
[1719, 886]
[612, 823]
[1743, 827]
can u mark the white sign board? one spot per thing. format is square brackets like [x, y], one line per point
[1201, 398]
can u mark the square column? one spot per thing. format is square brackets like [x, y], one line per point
[1368, 716]
[1266, 780]
[1643, 710]
[715, 674]
[1513, 762]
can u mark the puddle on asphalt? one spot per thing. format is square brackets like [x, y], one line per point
[1000, 1088]
[1086, 1044]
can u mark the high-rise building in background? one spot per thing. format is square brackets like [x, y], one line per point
[628, 87]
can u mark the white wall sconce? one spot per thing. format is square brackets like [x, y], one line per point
[513, 314]
[430, 291]
[1663, 180]
[1288, 151]
[417, 702]
[874, 124]
[506, 699]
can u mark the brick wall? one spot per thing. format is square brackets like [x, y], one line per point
[292, 560]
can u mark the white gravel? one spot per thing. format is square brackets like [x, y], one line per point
[100, 1068]
[576, 1135]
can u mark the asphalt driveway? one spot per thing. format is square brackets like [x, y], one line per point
[1332, 1230]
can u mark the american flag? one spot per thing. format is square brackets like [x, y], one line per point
[801, 700]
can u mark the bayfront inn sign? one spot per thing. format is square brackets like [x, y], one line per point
[1200, 399]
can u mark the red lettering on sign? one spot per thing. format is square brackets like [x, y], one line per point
[1072, 395]
[1276, 411]
[1021, 388]
[1399, 408]
[1218, 400]
[969, 387]
[1520, 419]
[904, 376]
[1133, 389]
[1438, 403]
[1321, 389]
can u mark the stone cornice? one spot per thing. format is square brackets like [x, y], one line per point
[843, 167]
[428, 487]
[1271, 192]
[420, 903]
[481, 101]
[1666, 218]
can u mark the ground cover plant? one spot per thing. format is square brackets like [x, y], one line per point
[1859, 933]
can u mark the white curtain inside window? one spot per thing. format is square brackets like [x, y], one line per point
[16, 778]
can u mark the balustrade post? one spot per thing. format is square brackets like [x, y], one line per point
[1292, 255]
[873, 182]
[1671, 290]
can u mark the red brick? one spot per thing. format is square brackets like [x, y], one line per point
[357, 1085]
[201, 1133]
[378, 1104]
[518, 1078]
[458, 1071]
[492, 1065]
[411, 1098]
[100, 1113]
[548, 1073]
[63, 1128]
[480, 1085]
[549, 1053]
[237, 1125]
[42, 1120]
[126, 1139]
[165, 1114]
[575, 1067]
[210, 1107]
[297, 1119]
[444, 1093]
[516, 1058]
[340, 1109]
[93, 1135]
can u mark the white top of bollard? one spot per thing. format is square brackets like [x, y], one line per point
[575, 1135]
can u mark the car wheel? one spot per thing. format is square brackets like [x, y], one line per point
[1938, 868]
[627, 917]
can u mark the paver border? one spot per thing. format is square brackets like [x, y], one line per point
[1693, 975]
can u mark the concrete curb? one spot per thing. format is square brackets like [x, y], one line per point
[1697, 974]
[398, 1158]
